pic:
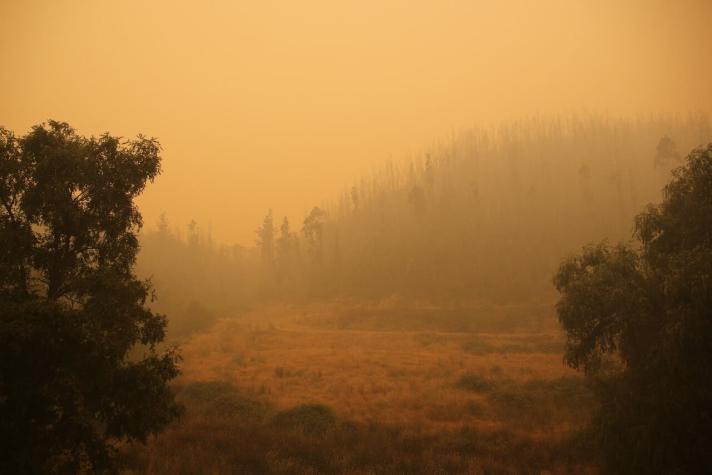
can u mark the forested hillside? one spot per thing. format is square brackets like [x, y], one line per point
[485, 216]
[490, 214]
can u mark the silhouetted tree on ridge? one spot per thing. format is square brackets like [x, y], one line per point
[265, 240]
[313, 231]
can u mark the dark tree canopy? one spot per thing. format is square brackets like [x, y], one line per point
[79, 363]
[639, 320]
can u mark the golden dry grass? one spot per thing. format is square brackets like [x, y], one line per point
[427, 385]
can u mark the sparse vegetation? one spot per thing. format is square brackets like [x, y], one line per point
[313, 418]
[474, 382]
[219, 399]
[354, 401]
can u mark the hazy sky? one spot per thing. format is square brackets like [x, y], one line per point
[281, 104]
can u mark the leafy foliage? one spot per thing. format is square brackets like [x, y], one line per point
[640, 321]
[79, 363]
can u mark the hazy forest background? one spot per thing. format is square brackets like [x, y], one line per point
[483, 218]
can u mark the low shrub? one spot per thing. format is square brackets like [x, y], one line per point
[311, 418]
[543, 401]
[478, 347]
[217, 398]
[474, 382]
[475, 408]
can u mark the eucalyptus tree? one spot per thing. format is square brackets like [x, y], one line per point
[639, 321]
[80, 363]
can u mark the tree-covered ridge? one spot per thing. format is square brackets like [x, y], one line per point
[490, 214]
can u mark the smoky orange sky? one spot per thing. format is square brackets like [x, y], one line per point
[281, 104]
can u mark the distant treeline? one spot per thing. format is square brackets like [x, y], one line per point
[487, 216]
[196, 280]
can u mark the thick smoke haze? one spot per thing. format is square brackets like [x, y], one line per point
[339, 236]
[285, 104]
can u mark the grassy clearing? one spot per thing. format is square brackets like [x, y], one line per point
[533, 403]
[283, 390]
[530, 343]
[213, 437]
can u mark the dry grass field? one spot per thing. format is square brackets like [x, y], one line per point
[343, 388]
